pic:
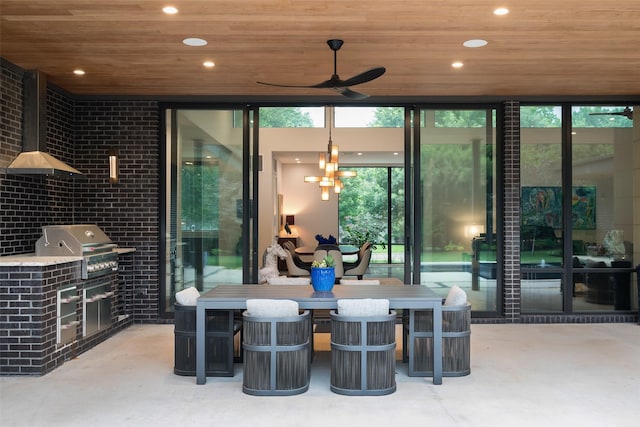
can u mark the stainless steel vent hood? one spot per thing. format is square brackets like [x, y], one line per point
[34, 159]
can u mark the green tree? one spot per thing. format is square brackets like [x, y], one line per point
[460, 118]
[540, 117]
[388, 117]
[284, 117]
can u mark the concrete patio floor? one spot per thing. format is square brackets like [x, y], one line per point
[521, 375]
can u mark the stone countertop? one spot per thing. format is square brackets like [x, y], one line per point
[31, 260]
[122, 251]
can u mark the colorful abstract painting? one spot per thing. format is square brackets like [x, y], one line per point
[543, 206]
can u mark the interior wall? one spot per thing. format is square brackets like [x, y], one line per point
[298, 195]
[302, 199]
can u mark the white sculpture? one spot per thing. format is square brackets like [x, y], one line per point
[270, 268]
[614, 244]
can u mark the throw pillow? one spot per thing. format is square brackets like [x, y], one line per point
[359, 282]
[284, 280]
[456, 296]
[363, 307]
[188, 296]
[272, 307]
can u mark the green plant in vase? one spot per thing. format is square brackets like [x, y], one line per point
[323, 274]
[325, 262]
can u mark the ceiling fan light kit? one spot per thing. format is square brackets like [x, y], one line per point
[335, 83]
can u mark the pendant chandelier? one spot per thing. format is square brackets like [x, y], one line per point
[328, 163]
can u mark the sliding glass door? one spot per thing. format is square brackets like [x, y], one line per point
[455, 195]
[208, 186]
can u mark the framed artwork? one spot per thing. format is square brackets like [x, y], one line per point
[542, 205]
[583, 208]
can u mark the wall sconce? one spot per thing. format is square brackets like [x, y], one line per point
[114, 165]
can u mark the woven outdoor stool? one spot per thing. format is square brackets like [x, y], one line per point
[276, 345]
[363, 345]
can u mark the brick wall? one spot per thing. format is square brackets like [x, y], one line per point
[511, 197]
[28, 317]
[127, 211]
[80, 133]
[29, 202]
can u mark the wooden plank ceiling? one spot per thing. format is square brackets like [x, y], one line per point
[541, 48]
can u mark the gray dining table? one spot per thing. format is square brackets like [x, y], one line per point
[408, 297]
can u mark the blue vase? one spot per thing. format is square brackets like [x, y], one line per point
[323, 278]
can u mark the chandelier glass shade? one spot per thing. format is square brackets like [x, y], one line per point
[328, 164]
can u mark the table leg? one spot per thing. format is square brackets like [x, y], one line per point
[437, 344]
[201, 377]
[411, 344]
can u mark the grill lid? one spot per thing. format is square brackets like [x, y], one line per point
[73, 240]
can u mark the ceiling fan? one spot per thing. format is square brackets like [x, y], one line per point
[627, 112]
[335, 82]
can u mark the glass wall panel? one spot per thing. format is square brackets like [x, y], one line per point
[541, 208]
[602, 208]
[204, 201]
[456, 195]
[371, 208]
[369, 117]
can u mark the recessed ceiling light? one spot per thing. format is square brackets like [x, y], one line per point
[209, 64]
[170, 10]
[79, 72]
[475, 43]
[457, 64]
[501, 11]
[194, 41]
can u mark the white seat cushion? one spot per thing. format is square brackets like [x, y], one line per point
[359, 282]
[456, 296]
[188, 296]
[363, 307]
[284, 280]
[272, 307]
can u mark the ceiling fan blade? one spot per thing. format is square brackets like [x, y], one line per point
[627, 112]
[337, 84]
[279, 85]
[363, 77]
[351, 94]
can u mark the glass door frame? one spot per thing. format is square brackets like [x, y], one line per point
[250, 157]
[414, 207]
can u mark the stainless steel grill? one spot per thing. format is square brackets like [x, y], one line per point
[85, 240]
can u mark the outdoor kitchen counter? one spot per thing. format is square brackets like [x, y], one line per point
[123, 251]
[31, 260]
